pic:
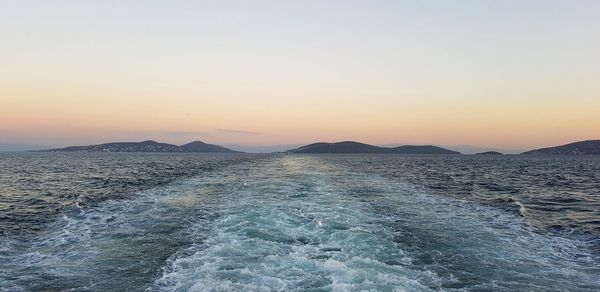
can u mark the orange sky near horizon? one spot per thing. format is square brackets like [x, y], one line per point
[377, 74]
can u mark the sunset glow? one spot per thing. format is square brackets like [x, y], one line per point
[515, 74]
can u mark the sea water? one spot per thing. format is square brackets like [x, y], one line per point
[195, 222]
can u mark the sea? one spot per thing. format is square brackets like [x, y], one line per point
[291, 222]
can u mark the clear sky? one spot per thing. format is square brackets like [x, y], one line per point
[515, 74]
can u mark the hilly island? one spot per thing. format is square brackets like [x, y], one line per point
[201, 147]
[356, 147]
[146, 146]
[589, 147]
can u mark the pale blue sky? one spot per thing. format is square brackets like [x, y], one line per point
[378, 71]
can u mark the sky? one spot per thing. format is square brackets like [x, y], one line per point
[513, 74]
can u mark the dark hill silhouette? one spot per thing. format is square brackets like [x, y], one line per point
[146, 146]
[356, 147]
[589, 147]
[424, 149]
[199, 146]
[341, 147]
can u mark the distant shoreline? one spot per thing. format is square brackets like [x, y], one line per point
[588, 147]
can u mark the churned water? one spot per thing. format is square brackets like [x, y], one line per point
[181, 222]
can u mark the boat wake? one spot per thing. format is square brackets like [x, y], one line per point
[294, 223]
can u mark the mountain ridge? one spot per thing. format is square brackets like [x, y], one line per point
[146, 146]
[587, 147]
[353, 147]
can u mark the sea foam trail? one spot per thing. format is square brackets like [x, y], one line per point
[304, 224]
[293, 223]
[116, 245]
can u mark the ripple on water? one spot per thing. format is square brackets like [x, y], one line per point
[296, 223]
[404, 239]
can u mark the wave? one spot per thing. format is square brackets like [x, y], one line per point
[295, 223]
[399, 237]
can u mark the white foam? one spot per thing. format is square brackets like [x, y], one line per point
[263, 236]
[342, 243]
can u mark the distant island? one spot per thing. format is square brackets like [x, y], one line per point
[489, 153]
[358, 148]
[146, 146]
[589, 147]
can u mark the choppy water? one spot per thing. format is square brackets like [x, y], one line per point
[156, 222]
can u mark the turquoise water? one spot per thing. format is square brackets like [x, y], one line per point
[290, 223]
